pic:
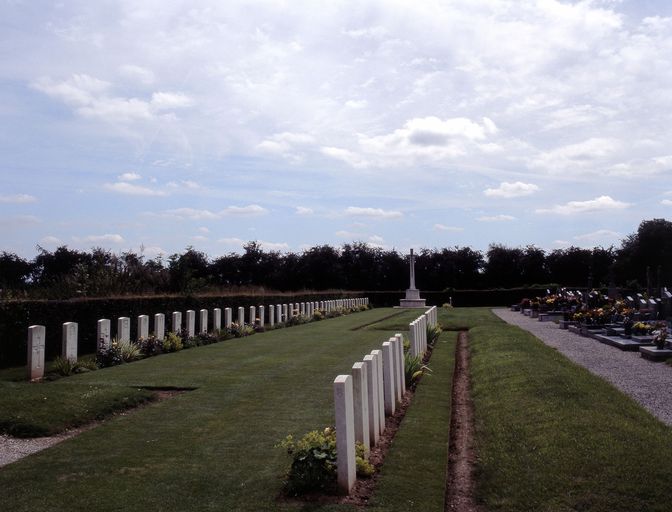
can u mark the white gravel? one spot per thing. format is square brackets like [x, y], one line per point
[13, 448]
[647, 382]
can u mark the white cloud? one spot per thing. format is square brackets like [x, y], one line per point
[203, 214]
[50, 241]
[199, 238]
[123, 187]
[170, 100]
[666, 202]
[152, 251]
[192, 214]
[129, 176]
[509, 190]
[599, 235]
[443, 227]
[496, 218]
[356, 104]
[348, 234]
[18, 221]
[137, 73]
[302, 210]
[18, 199]
[588, 156]
[236, 242]
[203, 229]
[107, 238]
[246, 211]
[376, 213]
[601, 203]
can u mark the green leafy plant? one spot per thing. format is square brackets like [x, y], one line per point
[129, 351]
[109, 355]
[150, 346]
[172, 343]
[313, 467]
[433, 333]
[317, 315]
[414, 369]
[66, 367]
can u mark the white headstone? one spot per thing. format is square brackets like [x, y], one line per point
[378, 360]
[389, 391]
[36, 341]
[177, 321]
[143, 327]
[203, 321]
[123, 328]
[217, 319]
[345, 433]
[360, 395]
[262, 316]
[372, 391]
[241, 316]
[253, 315]
[271, 315]
[69, 346]
[191, 323]
[278, 313]
[103, 334]
[402, 363]
[285, 310]
[160, 326]
[396, 364]
[228, 318]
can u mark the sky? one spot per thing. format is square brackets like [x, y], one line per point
[154, 125]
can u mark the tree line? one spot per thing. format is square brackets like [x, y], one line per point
[643, 260]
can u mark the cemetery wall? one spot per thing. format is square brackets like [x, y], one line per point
[17, 316]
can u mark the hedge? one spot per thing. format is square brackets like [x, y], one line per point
[17, 316]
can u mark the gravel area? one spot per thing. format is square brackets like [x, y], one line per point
[13, 448]
[647, 382]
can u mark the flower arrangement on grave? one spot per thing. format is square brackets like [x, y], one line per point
[641, 328]
[525, 304]
[660, 337]
[534, 304]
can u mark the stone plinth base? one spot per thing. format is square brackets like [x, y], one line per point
[412, 303]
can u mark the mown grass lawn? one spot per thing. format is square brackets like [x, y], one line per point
[553, 437]
[208, 449]
[550, 435]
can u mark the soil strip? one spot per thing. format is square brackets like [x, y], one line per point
[460, 481]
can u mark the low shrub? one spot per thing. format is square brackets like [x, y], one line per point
[433, 333]
[317, 315]
[109, 355]
[414, 369]
[150, 346]
[172, 343]
[129, 351]
[66, 367]
[313, 466]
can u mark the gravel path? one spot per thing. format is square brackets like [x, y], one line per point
[13, 448]
[647, 382]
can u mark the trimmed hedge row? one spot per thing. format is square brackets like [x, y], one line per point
[460, 298]
[17, 316]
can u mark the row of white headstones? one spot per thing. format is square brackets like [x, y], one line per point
[365, 398]
[277, 314]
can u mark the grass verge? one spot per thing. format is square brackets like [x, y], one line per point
[414, 473]
[551, 436]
